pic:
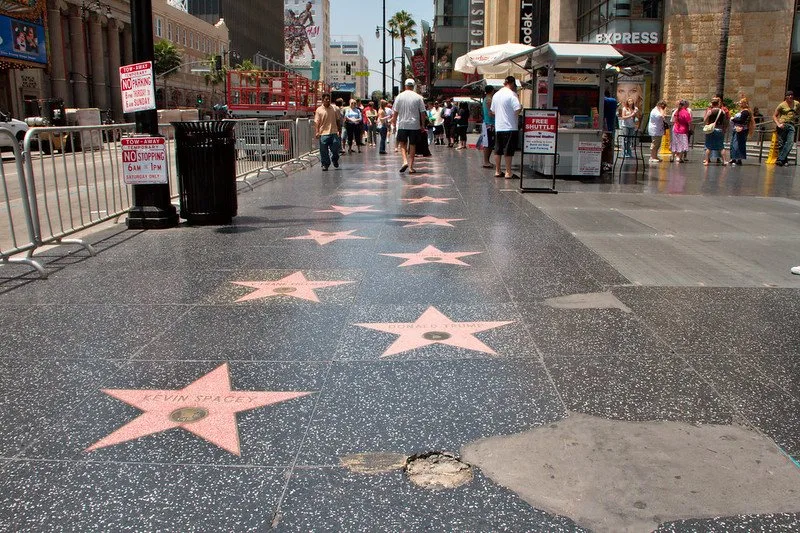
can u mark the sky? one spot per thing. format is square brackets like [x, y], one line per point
[353, 17]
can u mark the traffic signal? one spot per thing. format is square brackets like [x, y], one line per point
[348, 69]
[217, 63]
[199, 99]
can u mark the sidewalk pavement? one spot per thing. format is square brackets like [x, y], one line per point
[369, 351]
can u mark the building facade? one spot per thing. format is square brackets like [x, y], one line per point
[198, 41]
[253, 27]
[348, 51]
[451, 30]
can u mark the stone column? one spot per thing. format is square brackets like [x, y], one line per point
[127, 43]
[79, 76]
[58, 70]
[100, 88]
[114, 62]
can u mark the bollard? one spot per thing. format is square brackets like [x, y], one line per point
[665, 150]
[773, 149]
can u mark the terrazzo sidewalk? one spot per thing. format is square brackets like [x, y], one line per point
[229, 378]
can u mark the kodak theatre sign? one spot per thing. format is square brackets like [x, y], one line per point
[526, 22]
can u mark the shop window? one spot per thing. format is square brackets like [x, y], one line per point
[158, 27]
[169, 31]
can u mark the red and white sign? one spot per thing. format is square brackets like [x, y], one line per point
[588, 160]
[144, 160]
[138, 90]
[541, 129]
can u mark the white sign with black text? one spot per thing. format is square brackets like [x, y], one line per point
[144, 160]
[136, 84]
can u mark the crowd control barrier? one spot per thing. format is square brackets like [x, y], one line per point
[68, 179]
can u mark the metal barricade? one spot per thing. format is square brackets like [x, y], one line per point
[304, 148]
[168, 132]
[74, 179]
[249, 150]
[17, 230]
[279, 141]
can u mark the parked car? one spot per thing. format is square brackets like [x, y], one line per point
[17, 127]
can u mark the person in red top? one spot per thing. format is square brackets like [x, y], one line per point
[681, 124]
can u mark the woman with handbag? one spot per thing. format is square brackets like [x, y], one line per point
[714, 128]
[743, 124]
[655, 129]
[681, 124]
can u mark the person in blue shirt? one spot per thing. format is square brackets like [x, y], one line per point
[488, 128]
[609, 127]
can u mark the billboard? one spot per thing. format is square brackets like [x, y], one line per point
[343, 86]
[303, 32]
[22, 40]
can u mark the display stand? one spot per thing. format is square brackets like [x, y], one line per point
[539, 138]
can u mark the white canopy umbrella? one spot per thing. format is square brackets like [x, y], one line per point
[491, 60]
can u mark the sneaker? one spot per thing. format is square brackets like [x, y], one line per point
[795, 270]
[654, 160]
[779, 163]
[335, 164]
[324, 169]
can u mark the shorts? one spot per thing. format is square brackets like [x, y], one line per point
[506, 142]
[488, 135]
[461, 132]
[407, 136]
[438, 130]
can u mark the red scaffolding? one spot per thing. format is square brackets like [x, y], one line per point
[264, 93]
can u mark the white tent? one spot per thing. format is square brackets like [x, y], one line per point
[492, 61]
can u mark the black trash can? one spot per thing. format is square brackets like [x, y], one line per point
[206, 166]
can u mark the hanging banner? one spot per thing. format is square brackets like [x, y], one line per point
[526, 22]
[477, 10]
[22, 33]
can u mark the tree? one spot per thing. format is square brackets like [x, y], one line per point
[214, 77]
[166, 59]
[723, 46]
[403, 25]
[377, 95]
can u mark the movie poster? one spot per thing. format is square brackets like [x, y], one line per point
[22, 32]
[303, 32]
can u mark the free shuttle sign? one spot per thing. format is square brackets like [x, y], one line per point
[138, 90]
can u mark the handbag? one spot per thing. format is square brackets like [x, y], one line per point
[708, 128]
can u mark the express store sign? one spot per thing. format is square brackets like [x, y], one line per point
[630, 37]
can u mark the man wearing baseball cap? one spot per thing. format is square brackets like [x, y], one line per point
[409, 117]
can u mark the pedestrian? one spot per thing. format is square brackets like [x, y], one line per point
[327, 124]
[343, 130]
[627, 121]
[506, 108]
[487, 127]
[438, 123]
[681, 125]
[409, 118]
[429, 121]
[448, 114]
[785, 118]
[609, 129]
[372, 123]
[382, 122]
[461, 125]
[352, 124]
[656, 125]
[715, 135]
[743, 125]
[724, 110]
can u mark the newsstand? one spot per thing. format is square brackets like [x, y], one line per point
[205, 160]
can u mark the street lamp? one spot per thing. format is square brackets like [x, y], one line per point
[385, 61]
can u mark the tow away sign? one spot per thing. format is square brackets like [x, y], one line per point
[144, 160]
[138, 90]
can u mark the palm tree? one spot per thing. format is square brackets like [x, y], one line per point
[166, 59]
[723, 46]
[403, 25]
[214, 77]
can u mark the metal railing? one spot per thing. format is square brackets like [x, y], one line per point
[19, 234]
[70, 178]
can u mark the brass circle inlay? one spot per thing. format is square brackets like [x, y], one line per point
[187, 415]
[433, 258]
[436, 336]
[284, 290]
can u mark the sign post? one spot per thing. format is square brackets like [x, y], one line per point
[539, 138]
[151, 207]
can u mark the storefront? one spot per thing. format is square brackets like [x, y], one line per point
[23, 56]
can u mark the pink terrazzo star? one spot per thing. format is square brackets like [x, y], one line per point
[362, 192]
[325, 237]
[206, 407]
[426, 186]
[433, 327]
[371, 180]
[428, 221]
[431, 254]
[427, 200]
[295, 285]
[344, 210]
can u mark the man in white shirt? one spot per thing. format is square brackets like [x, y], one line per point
[409, 116]
[505, 110]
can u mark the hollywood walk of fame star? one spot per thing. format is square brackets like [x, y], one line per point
[431, 254]
[295, 285]
[428, 221]
[371, 180]
[362, 192]
[325, 237]
[344, 210]
[207, 407]
[433, 327]
[426, 186]
[427, 200]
